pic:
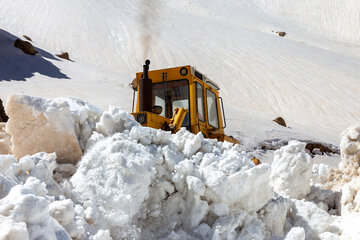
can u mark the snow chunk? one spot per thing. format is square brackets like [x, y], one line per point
[63, 211]
[274, 215]
[296, 233]
[350, 198]
[313, 219]
[350, 145]
[102, 235]
[40, 125]
[39, 166]
[113, 177]
[23, 209]
[187, 142]
[250, 189]
[115, 120]
[320, 173]
[9, 229]
[85, 117]
[291, 170]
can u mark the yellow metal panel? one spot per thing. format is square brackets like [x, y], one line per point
[154, 120]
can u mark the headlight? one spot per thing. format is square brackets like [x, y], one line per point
[141, 118]
[183, 71]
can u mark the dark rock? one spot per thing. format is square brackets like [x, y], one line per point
[3, 116]
[311, 146]
[27, 38]
[281, 34]
[280, 121]
[64, 55]
[25, 46]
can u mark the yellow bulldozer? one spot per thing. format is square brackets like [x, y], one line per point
[172, 98]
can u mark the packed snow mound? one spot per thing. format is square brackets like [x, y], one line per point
[180, 181]
[291, 170]
[142, 183]
[40, 125]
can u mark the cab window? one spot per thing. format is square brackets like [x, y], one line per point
[200, 102]
[212, 110]
[171, 95]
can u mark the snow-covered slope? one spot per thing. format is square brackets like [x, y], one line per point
[310, 77]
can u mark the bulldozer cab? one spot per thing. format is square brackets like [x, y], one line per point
[182, 88]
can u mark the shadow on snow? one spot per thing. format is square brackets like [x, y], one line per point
[17, 66]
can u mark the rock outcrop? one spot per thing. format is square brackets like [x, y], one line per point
[25, 46]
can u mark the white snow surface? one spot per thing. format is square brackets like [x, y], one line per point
[312, 71]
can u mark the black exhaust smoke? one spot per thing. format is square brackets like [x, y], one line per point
[145, 90]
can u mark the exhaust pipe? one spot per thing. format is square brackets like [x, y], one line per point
[145, 90]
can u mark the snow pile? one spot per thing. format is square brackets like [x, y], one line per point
[24, 212]
[60, 125]
[142, 183]
[166, 184]
[291, 170]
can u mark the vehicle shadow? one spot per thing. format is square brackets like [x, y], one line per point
[18, 66]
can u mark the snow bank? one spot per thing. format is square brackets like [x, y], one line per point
[291, 170]
[142, 183]
[149, 183]
[60, 125]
